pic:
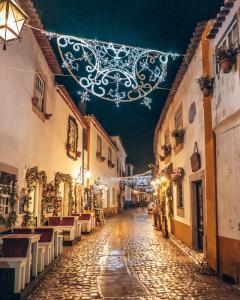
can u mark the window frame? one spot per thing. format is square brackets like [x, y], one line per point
[99, 144]
[180, 206]
[224, 41]
[167, 137]
[40, 91]
[109, 154]
[178, 113]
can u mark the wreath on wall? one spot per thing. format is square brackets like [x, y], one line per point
[33, 176]
[66, 178]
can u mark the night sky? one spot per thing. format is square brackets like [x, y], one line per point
[157, 24]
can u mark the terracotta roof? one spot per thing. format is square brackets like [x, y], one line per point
[43, 41]
[221, 17]
[194, 42]
[68, 99]
[93, 119]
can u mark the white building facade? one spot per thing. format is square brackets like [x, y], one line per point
[226, 125]
[102, 163]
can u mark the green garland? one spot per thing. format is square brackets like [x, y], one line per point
[66, 178]
[34, 176]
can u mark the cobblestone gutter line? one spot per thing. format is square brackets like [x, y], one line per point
[196, 257]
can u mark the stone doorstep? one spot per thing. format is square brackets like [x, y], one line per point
[34, 283]
[196, 257]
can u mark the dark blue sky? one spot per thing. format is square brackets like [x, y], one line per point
[158, 24]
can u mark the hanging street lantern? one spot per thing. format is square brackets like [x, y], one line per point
[12, 19]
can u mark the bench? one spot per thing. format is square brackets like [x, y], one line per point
[15, 253]
[46, 241]
[86, 222]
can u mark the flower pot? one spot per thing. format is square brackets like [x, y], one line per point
[206, 92]
[35, 101]
[226, 65]
[48, 116]
[179, 139]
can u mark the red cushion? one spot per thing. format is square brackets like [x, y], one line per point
[15, 247]
[85, 217]
[67, 221]
[54, 221]
[46, 234]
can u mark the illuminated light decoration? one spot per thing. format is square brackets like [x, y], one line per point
[142, 181]
[84, 96]
[12, 19]
[147, 101]
[113, 72]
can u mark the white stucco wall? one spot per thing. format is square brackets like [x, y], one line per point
[101, 169]
[122, 155]
[25, 140]
[226, 124]
[188, 92]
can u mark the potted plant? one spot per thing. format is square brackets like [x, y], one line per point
[35, 101]
[27, 219]
[167, 150]
[177, 175]
[162, 158]
[9, 220]
[225, 58]
[178, 134]
[205, 83]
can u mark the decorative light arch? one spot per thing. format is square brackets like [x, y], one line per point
[113, 72]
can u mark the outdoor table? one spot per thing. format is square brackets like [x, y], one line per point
[56, 246]
[33, 252]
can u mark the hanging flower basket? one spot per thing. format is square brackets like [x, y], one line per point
[177, 175]
[225, 58]
[178, 134]
[167, 150]
[205, 83]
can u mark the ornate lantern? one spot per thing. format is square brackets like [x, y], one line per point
[12, 19]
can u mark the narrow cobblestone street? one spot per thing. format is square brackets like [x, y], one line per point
[128, 259]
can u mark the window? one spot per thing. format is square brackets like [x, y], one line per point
[109, 154]
[117, 165]
[231, 37]
[180, 195]
[167, 137]
[179, 119]
[99, 145]
[39, 93]
[6, 189]
[85, 139]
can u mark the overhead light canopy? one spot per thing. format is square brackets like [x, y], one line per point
[12, 19]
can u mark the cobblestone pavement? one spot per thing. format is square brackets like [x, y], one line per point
[128, 259]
